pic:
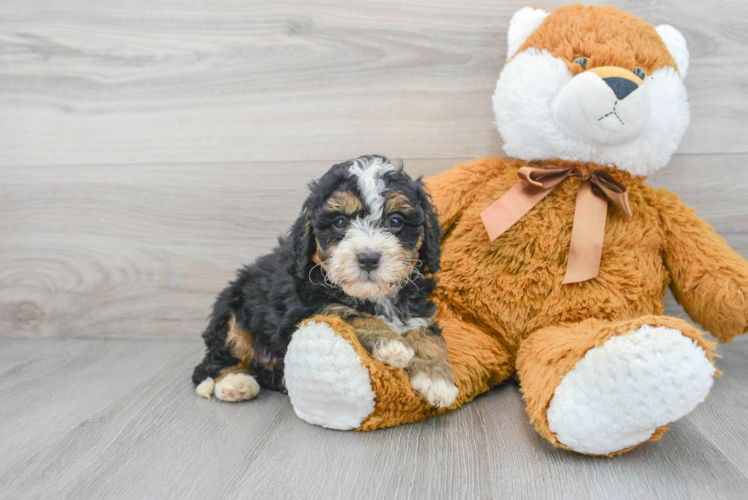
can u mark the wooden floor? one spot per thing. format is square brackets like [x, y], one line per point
[105, 418]
[150, 147]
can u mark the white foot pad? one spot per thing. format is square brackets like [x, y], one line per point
[237, 387]
[394, 353]
[440, 393]
[619, 393]
[325, 380]
[205, 388]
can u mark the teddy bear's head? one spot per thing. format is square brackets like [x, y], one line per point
[592, 84]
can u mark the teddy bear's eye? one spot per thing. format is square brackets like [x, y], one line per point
[640, 73]
[582, 61]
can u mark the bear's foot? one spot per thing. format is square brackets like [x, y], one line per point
[326, 381]
[335, 382]
[622, 391]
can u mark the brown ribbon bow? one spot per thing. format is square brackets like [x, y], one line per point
[590, 212]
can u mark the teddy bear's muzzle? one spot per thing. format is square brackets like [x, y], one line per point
[603, 106]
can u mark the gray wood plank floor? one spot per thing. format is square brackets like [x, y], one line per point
[148, 148]
[96, 418]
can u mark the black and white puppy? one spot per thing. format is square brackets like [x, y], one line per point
[361, 249]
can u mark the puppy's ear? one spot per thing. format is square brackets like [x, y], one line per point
[302, 236]
[430, 252]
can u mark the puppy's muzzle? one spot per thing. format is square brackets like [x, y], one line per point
[369, 261]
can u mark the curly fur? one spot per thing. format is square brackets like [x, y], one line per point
[264, 304]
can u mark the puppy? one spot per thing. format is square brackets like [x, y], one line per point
[361, 248]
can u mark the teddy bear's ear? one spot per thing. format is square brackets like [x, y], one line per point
[676, 45]
[523, 23]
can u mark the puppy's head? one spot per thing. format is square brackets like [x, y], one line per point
[368, 227]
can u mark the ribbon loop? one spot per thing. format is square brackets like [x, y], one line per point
[614, 190]
[546, 178]
[590, 212]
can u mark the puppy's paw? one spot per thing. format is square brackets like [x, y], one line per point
[237, 387]
[394, 353]
[205, 388]
[439, 392]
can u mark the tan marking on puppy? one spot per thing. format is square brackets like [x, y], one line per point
[340, 311]
[384, 344]
[308, 225]
[397, 202]
[344, 202]
[234, 383]
[429, 371]
[240, 368]
[239, 343]
[321, 256]
[414, 253]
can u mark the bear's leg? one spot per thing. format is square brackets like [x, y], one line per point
[601, 388]
[334, 382]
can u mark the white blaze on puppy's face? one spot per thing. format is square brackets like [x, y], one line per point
[365, 235]
[370, 182]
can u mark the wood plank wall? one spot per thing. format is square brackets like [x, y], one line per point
[149, 148]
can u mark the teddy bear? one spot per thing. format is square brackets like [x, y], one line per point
[555, 263]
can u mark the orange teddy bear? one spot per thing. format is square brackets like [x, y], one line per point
[554, 265]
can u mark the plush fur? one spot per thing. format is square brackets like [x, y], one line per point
[575, 115]
[578, 350]
[362, 247]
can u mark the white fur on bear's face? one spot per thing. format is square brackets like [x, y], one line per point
[536, 125]
[676, 45]
[523, 23]
[587, 108]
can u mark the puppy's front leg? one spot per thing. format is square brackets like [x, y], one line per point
[429, 371]
[384, 344]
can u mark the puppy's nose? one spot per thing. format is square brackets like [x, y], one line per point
[368, 261]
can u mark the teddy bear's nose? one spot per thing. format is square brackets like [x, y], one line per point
[621, 87]
[620, 80]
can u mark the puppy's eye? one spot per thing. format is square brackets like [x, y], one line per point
[395, 221]
[340, 222]
[640, 73]
[582, 61]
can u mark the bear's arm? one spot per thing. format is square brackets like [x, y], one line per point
[710, 279]
[454, 190]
